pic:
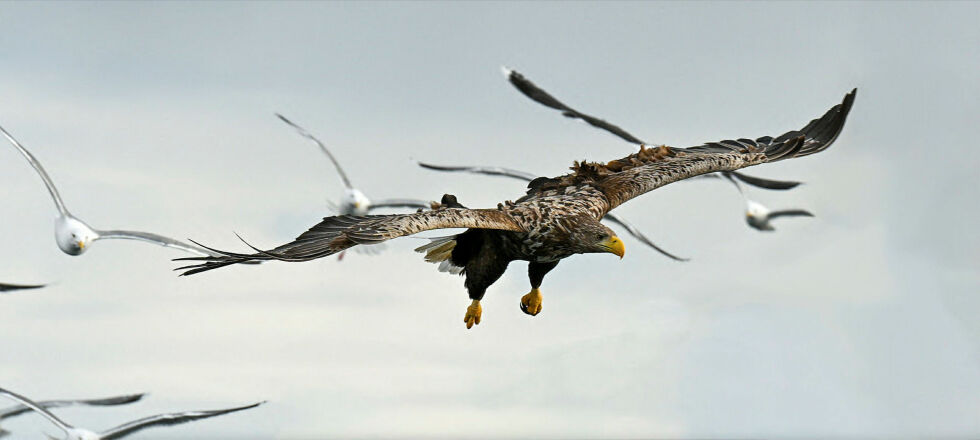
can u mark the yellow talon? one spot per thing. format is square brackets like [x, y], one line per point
[473, 313]
[531, 303]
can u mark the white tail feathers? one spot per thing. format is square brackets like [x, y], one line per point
[440, 250]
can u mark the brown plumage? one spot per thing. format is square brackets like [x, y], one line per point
[557, 218]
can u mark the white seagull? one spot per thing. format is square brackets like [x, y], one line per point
[19, 409]
[354, 202]
[73, 433]
[4, 287]
[527, 177]
[73, 236]
[758, 216]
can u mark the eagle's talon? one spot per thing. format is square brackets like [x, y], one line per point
[531, 303]
[473, 313]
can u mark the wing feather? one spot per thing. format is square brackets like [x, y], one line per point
[542, 97]
[335, 234]
[650, 169]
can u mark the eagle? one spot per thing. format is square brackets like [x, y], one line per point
[558, 217]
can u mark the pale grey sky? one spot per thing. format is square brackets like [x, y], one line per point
[860, 322]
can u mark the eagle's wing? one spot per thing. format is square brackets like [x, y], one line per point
[542, 97]
[335, 234]
[649, 169]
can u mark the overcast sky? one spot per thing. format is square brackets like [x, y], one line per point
[159, 117]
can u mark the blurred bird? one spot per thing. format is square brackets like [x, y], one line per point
[17, 410]
[527, 177]
[758, 215]
[354, 202]
[4, 287]
[73, 433]
[73, 236]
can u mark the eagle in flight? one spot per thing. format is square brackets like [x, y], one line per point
[557, 217]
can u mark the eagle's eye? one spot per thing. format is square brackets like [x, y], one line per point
[600, 236]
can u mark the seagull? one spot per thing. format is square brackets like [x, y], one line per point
[537, 94]
[21, 409]
[4, 287]
[354, 202]
[74, 236]
[757, 215]
[73, 433]
[527, 177]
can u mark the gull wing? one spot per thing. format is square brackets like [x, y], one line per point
[167, 420]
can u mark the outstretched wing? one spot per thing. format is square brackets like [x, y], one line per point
[167, 420]
[11, 287]
[335, 234]
[490, 171]
[155, 239]
[536, 93]
[40, 171]
[399, 203]
[61, 424]
[763, 183]
[108, 401]
[302, 131]
[626, 178]
[790, 213]
[540, 96]
[634, 231]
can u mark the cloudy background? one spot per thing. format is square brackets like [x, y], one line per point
[159, 117]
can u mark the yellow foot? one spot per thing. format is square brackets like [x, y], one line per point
[473, 313]
[531, 303]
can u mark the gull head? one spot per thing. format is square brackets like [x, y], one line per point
[757, 216]
[755, 209]
[73, 235]
[354, 203]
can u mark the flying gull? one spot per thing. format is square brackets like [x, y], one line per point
[758, 215]
[527, 177]
[19, 409]
[354, 202]
[73, 433]
[74, 236]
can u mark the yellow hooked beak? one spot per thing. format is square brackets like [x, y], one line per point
[614, 246]
[81, 245]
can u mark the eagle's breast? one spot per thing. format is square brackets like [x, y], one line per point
[549, 217]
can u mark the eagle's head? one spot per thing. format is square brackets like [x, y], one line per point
[594, 237]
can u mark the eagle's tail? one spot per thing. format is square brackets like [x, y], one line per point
[440, 250]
